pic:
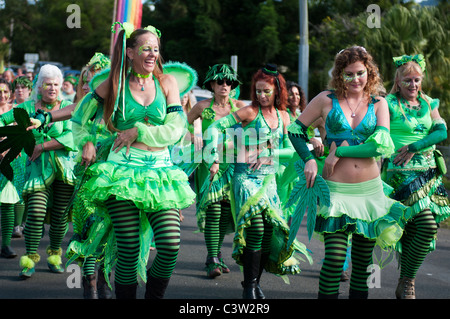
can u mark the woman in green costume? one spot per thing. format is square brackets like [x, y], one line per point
[138, 190]
[261, 237]
[214, 217]
[357, 125]
[415, 171]
[49, 171]
[12, 205]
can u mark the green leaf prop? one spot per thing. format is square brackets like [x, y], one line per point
[16, 138]
[307, 200]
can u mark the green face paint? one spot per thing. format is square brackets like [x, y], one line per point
[407, 82]
[148, 48]
[351, 77]
[266, 92]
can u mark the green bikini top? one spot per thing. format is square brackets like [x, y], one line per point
[153, 114]
[209, 115]
[258, 131]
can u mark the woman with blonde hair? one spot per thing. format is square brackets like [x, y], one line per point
[415, 171]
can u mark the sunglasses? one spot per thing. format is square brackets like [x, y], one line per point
[222, 81]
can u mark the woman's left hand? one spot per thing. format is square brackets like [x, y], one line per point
[125, 138]
[403, 157]
[331, 160]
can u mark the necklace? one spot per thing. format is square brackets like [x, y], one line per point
[49, 106]
[140, 76]
[353, 112]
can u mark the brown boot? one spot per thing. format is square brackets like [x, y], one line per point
[90, 287]
[405, 288]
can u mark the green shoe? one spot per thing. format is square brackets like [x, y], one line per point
[58, 269]
[26, 273]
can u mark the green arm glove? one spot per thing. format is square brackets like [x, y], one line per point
[297, 132]
[174, 128]
[379, 143]
[437, 134]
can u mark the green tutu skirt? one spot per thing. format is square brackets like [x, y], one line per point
[255, 192]
[149, 179]
[363, 209]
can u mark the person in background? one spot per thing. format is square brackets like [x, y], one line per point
[214, 217]
[416, 169]
[21, 88]
[69, 88]
[49, 173]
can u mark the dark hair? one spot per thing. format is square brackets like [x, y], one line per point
[8, 84]
[302, 105]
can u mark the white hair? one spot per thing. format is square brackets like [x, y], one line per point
[47, 71]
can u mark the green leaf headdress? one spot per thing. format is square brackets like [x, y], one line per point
[418, 58]
[220, 72]
[129, 29]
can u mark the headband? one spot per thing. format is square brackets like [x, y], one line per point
[271, 69]
[129, 29]
[418, 58]
[71, 79]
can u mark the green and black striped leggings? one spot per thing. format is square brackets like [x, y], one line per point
[166, 230]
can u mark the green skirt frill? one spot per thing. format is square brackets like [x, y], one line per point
[148, 179]
[364, 209]
[256, 193]
[212, 192]
[419, 187]
[11, 191]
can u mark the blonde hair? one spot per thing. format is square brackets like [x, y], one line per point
[403, 70]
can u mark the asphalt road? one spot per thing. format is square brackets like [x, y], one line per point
[190, 283]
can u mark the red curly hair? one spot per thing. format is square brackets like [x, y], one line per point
[281, 92]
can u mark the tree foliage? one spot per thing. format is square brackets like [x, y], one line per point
[205, 32]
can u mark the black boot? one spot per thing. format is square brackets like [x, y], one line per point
[324, 296]
[264, 259]
[104, 291]
[89, 287]
[155, 287]
[125, 291]
[357, 294]
[251, 260]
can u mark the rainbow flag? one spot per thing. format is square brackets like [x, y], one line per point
[128, 11]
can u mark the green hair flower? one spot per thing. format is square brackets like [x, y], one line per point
[153, 30]
[418, 58]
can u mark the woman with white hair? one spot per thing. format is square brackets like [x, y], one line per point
[49, 171]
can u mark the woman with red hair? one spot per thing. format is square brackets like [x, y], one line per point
[261, 144]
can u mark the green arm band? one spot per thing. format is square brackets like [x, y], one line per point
[297, 132]
[170, 132]
[286, 152]
[379, 143]
[211, 137]
[437, 134]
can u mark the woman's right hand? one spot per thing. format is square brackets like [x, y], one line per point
[310, 171]
[213, 170]
[89, 154]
